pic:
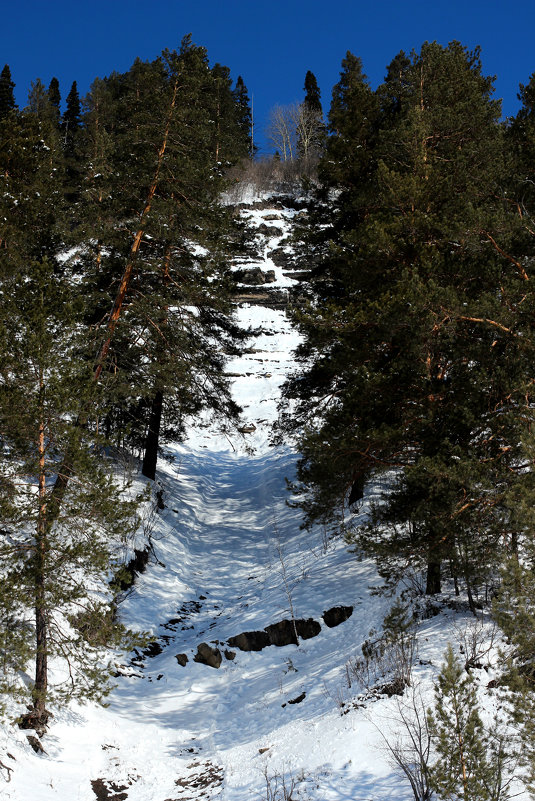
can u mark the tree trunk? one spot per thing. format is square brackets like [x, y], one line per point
[150, 457]
[41, 623]
[433, 583]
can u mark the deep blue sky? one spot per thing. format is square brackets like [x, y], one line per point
[271, 44]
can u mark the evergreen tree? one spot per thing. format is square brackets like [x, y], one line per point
[151, 132]
[411, 345]
[244, 115]
[470, 762]
[54, 98]
[71, 117]
[7, 97]
[51, 555]
[514, 611]
[310, 127]
[312, 94]
[38, 102]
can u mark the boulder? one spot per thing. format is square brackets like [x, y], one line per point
[282, 633]
[333, 617]
[247, 429]
[298, 699]
[207, 655]
[306, 629]
[182, 659]
[251, 275]
[250, 641]
[269, 230]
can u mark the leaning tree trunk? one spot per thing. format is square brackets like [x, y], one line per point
[150, 457]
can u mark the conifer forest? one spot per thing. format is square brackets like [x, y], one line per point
[376, 272]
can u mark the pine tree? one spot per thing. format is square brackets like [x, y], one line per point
[7, 97]
[410, 343]
[312, 94]
[54, 98]
[52, 554]
[156, 151]
[38, 102]
[469, 766]
[71, 117]
[514, 612]
[244, 115]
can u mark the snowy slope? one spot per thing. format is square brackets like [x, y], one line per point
[231, 558]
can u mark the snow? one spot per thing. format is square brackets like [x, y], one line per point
[228, 541]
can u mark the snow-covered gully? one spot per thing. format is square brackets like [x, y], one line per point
[231, 558]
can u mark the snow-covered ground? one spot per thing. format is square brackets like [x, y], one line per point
[231, 558]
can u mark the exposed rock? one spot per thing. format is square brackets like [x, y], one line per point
[230, 654]
[254, 276]
[153, 649]
[298, 699]
[306, 629]
[250, 641]
[248, 429]
[207, 655]
[182, 659]
[282, 633]
[272, 217]
[282, 258]
[333, 617]
[202, 783]
[268, 230]
[109, 791]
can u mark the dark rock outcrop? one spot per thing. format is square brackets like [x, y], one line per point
[106, 790]
[207, 655]
[153, 649]
[298, 699]
[268, 230]
[338, 614]
[254, 276]
[250, 641]
[282, 633]
[182, 659]
[306, 629]
[279, 634]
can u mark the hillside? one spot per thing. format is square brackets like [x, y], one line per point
[230, 558]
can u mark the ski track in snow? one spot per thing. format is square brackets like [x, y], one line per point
[223, 540]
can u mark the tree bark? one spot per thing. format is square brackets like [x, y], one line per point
[150, 457]
[41, 623]
[433, 582]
